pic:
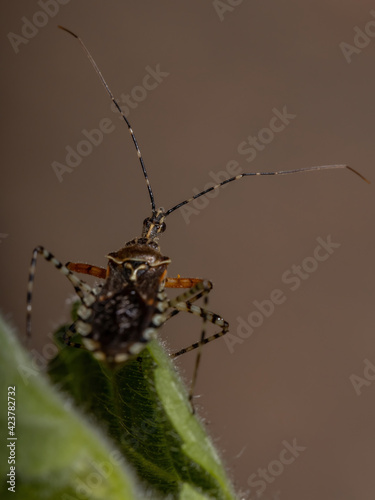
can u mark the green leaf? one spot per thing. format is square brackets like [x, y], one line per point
[144, 408]
[137, 415]
[59, 455]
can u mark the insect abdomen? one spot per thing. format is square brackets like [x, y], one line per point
[117, 326]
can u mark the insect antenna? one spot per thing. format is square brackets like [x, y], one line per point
[121, 113]
[280, 172]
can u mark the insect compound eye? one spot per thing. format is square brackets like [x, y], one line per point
[163, 227]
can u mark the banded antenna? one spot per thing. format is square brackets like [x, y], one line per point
[235, 178]
[280, 172]
[139, 154]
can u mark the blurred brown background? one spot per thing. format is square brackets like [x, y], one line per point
[290, 379]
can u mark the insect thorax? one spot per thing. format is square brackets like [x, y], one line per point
[128, 306]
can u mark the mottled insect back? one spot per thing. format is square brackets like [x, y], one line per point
[130, 305]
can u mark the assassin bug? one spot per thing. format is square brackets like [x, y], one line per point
[117, 319]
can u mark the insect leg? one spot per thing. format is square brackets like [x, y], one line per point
[98, 272]
[82, 289]
[209, 316]
[185, 283]
[184, 303]
[182, 282]
[199, 289]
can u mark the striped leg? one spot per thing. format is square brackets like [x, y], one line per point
[82, 289]
[196, 290]
[207, 316]
[184, 303]
[224, 325]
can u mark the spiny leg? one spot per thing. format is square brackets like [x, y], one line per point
[82, 289]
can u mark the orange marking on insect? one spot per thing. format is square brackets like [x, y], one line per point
[181, 282]
[80, 268]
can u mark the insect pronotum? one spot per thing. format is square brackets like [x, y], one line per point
[117, 319]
